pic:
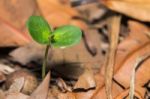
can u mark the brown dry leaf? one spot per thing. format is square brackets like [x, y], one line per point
[125, 94]
[42, 90]
[138, 9]
[2, 94]
[67, 95]
[62, 85]
[89, 42]
[56, 13]
[88, 94]
[92, 11]
[16, 96]
[29, 84]
[131, 43]
[55, 93]
[126, 67]
[10, 36]
[17, 85]
[116, 89]
[13, 17]
[30, 52]
[16, 12]
[135, 45]
[86, 81]
[2, 77]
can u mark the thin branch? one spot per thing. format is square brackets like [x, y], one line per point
[114, 27]
[132, 82]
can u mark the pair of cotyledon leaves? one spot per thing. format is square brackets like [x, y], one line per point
[42, 33]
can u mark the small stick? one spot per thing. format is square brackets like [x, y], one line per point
[114, 27]
[132, 82]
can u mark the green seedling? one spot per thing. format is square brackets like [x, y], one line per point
[62, 37]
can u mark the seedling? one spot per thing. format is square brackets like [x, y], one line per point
[62, 37]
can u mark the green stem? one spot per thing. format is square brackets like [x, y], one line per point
[45, 61]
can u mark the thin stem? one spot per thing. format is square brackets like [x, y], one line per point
[45, 61]
[46, 57]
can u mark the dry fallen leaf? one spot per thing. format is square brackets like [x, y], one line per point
[116, 90]
[138, 9]
[17, 85]
[2, 94]
[126, 67]
[67, 95]
[30, 52]
[16, 95]
[132, 46]
[125, 94]
[10, 36]
[6, 69]
[56, 13]
[29, 84]
[132, 42]
[2, 77]
[42, 90]
[16, 12]
[62, 85]
[86, 81]
[89, 93]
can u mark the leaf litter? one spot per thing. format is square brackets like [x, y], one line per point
[82, 66]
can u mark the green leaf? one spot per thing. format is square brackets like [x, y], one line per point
[39, 29]
[65, 36]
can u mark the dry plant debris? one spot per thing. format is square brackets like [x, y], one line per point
[115, 35]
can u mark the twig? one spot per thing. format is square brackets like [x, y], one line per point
[132, 82]
[114, 27]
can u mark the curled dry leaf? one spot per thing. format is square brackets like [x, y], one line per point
[138, 9]
[41, 91]
[62, 85]
[86, 81]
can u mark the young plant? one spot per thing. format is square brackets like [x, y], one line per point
[41, 32]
